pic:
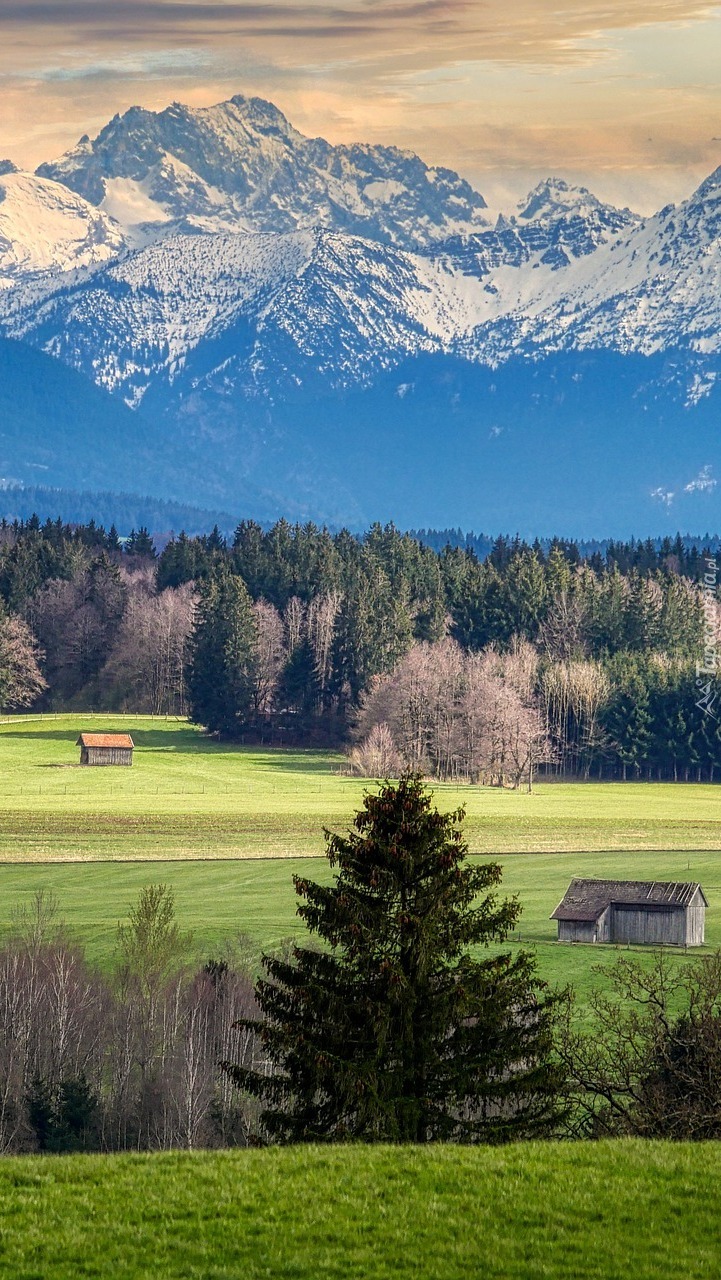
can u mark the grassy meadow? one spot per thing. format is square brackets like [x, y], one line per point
[571, 1212]
[227, 827]
[217, 901]
[189, 797]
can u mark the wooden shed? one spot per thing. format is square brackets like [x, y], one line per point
[663, 914]
[106, 748]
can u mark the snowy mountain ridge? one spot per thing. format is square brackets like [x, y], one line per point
[656, 287]
[272, 309]
[47, 230]
[241, 166]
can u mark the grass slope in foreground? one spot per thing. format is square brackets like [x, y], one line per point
[190, 797]
[571, 1212]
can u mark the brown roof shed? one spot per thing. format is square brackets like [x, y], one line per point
[106, 748]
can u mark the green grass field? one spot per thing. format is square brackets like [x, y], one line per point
[226, 828]
[591, 1211]
[219, 900]
[231, 825]
[188, 797]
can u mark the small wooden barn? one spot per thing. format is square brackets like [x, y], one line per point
[106, 748]
[663, 914]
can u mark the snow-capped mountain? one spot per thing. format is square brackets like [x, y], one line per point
[45, 229]
[266, 311]
[553, 226]
[555, 210]
[240, 166]
[656, 287]
[280, 314]
[257, 312]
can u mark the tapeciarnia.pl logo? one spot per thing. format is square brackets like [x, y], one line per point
[707, 670]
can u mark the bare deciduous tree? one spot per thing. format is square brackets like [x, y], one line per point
[458, 715]
[21, 680]
[271, 655]
[148, 658]
[321, 620]
[294, 623]
[377, 756]
[648, 1060]
[139, 1049]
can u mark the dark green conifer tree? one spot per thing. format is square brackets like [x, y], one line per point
[112, 542]
[223, 656]
[299, 689]
[626, 717]
[395, 1031]
[140, 543]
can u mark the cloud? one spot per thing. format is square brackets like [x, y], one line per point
[176, 64]
[703, 483]
[140, 20]
[665, 496]
[424, 31]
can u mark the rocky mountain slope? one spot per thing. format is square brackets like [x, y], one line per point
[553, 226]
[653, 288]
[256, 312]
[240, 166]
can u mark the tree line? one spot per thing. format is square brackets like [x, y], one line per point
[534, 657]
[439, 662]
[124, 1058]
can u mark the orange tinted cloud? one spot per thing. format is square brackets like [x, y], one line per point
[525, 31]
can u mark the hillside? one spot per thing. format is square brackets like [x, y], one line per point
[60, 431]
[590, 1211]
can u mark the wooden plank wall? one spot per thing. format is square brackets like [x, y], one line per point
[109, 755]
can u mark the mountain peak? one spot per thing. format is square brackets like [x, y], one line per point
[710, 187]
[259, 109]
[241, 166]
[553, 198]
[7, 166]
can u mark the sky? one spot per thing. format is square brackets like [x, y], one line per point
[623, 96]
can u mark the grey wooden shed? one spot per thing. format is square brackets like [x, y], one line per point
[106, 748]
[660, 913]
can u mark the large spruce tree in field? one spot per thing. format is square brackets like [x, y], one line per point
[223, 655]
[393, 1029]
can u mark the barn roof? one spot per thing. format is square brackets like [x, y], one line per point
[105, 740]
[588, 899]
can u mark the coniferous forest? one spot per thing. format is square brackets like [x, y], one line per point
[480, 661]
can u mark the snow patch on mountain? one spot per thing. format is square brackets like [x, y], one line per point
[129, 203]
[45, 229]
